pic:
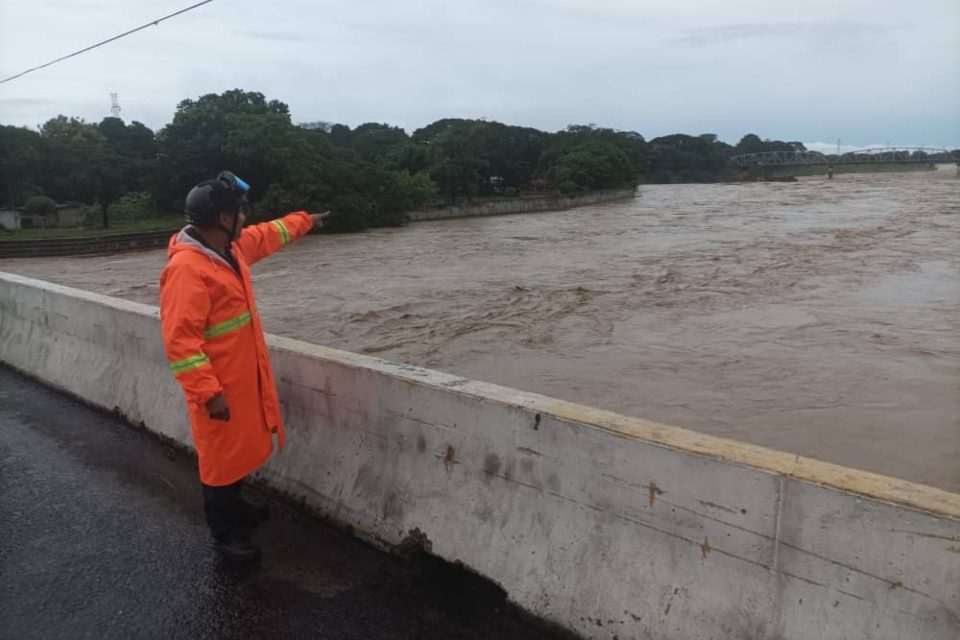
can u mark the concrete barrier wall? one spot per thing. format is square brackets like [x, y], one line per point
[525, 204]
[611, 526]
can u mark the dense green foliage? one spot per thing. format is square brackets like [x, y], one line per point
[370, 175]
[703, 158]
[71, 160]
[683, 158]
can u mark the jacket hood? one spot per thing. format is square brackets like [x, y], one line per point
[183, 241]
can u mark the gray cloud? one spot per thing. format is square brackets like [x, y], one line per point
[859, 70]
[275, 35]
[820, 31]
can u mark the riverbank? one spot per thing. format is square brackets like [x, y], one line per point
[28, 243]
[524, 204]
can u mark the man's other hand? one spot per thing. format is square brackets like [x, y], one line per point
[318, 219]
[218, 408]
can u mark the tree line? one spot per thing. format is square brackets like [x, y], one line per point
[372, 175]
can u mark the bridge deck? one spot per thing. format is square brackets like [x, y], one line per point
[102, 536]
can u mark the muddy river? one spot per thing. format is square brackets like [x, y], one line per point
[818, 317]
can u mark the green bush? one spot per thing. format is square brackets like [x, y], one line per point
[40, 206]
[133, 205]
[416, 188]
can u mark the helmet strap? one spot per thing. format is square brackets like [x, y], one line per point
[232, 230]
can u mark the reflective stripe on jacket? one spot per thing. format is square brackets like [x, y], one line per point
[215, 344]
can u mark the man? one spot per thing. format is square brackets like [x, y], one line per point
[215, 345]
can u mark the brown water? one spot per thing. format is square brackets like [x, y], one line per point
[819, 317]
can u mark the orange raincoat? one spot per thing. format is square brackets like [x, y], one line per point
[214, 342]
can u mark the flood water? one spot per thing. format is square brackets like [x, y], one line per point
[818, 317]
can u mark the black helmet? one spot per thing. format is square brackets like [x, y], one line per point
[227, 193]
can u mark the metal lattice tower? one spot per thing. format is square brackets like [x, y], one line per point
[114, 105]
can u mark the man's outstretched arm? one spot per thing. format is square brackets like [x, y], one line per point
[258, 241]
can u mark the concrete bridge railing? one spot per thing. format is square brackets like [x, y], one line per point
[612, 526]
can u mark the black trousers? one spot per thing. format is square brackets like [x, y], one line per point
[225, 510]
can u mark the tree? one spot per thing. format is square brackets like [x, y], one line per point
[596, 165]
[584, 157]
[374, 142]
[124, 164]
[72, 160]
[21, 164]
[340, 135]
[193, 147]
[135, 141]
[456, 162]
[72, 152]
[751, 143]
[289, 167]
[40, 206]
[511, 153]
[415, 189]
[410, 157]
[683, 158]
[429, 133]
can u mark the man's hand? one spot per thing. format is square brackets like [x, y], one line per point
[218, 408]
[318, 219]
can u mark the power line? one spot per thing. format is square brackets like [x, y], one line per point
[107, 41]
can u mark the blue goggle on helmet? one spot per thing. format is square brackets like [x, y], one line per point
[235, 183]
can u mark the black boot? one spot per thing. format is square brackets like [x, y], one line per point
[254, 514]
[226, 513]
[238, 548]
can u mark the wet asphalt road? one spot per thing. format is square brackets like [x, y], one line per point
[102, 536]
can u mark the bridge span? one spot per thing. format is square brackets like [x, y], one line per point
[878, 157]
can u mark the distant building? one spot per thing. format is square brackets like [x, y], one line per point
[68, 214]
[9, 219]
[71, 214]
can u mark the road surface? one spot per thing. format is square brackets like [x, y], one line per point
[102, 536]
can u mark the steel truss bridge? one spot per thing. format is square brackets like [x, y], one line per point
[885, 155]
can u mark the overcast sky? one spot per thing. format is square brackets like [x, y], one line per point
[865, 71]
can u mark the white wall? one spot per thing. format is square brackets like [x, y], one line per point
[9, 220]
[608, 525]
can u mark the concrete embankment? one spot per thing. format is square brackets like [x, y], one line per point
[611, 526]
[85, 246]
[526, 204]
